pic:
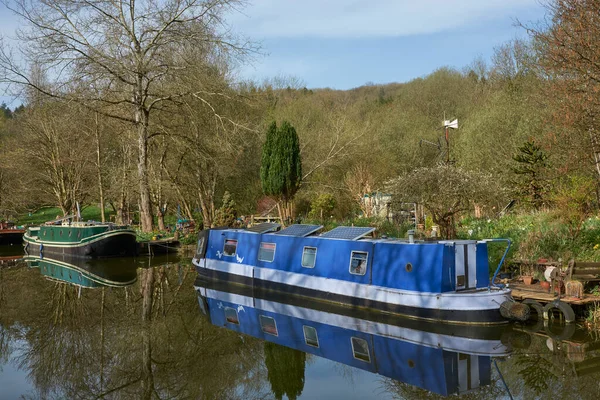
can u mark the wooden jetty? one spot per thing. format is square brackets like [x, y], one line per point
[521, 291]
[563, 293]
[159, 246]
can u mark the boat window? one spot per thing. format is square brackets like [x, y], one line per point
[360, 349]
[310, 336]
[358, 262]
[268, 325]
[309, 256]
[266, 252]
[230, 247]
[231, 315]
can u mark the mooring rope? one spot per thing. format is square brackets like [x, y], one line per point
[503, 381]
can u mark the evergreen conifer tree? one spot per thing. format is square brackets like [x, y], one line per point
[531, 165]
[281, 164]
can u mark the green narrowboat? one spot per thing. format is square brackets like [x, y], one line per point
[81, 239]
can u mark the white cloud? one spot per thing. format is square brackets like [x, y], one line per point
[367, 18]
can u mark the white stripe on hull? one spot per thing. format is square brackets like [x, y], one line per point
[101, 236]
[436, 340]
[483, 299]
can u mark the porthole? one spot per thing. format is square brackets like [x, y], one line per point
[411, 363]
[409, 267]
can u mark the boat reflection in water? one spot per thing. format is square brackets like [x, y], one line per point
[440, 358]
[85, 273]
[10, 256]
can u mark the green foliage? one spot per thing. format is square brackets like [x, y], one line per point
[285, 368]
[575, 198]
[5, 112]
[531, 166]
[281, 165]
[534, 236]
[536, 371]
[226, 214]
[322, 206]
[593, 311]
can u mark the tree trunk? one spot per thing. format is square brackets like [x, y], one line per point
[147, 291]
[145, 202]
[99, 171]
[281, 213]
[207, 207]
[160, 214]
[147, 282]
[206, 194]
[187, 209]
[121, 216]
[595, 151]
[147, 376]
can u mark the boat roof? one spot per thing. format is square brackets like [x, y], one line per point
[299, 230]
[304, 230]
[264, 227]
[348, 232]
[340, 233]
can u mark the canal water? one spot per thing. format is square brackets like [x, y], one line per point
[147, 328]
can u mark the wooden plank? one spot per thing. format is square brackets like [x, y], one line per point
[534, 292]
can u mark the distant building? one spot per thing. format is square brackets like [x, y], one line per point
[380, 204]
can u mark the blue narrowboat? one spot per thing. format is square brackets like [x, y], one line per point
[443, 363]
[446, 281]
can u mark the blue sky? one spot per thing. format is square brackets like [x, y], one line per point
[346, 43]
[343, 44]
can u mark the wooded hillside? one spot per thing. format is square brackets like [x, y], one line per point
[527, 130]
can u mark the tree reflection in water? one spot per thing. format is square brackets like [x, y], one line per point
[149, 341]
[145, 342]
[285, 370]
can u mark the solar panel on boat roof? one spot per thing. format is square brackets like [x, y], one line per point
[300, 230]
[264, 227]
[348, 232]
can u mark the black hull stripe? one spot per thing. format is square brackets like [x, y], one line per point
[114, 246]
[450, 316]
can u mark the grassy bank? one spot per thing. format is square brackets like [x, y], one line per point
[92, 213]
[46, 214]
[539, 235]
[534, 235]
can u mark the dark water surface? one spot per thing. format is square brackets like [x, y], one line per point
[147, 329]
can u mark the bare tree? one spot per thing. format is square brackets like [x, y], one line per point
[124, 50]
[360, 183]
[445, 191]
[567, 45]
[56, 153]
